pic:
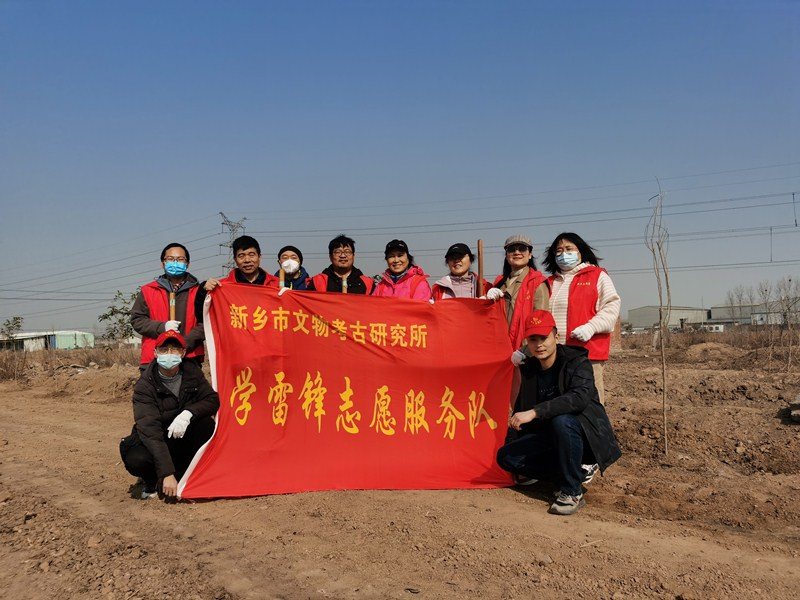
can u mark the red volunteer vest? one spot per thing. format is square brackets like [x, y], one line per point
[523, 306]
[582, 306]
[270, 281]
[157, 300]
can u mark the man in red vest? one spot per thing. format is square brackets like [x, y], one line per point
[247, 256]
[341, 275]
[150, 315]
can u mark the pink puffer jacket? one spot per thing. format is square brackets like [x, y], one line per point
[414, 285]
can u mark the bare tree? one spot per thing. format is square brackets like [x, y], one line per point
[656, 239]
[739, 293]
[787, 294]
[730, 300]
[765, 295]
[750, 298]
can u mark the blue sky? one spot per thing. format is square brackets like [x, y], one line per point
[128, 125]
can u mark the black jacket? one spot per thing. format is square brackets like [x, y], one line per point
[155, 407]
[355, 282]
[578, 396]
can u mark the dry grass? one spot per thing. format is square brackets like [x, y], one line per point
[13, 364]
[744, 337]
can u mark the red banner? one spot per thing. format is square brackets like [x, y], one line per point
[326, 391]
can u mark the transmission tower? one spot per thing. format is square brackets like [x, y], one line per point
[234, 227]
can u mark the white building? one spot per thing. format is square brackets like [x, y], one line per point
[777, 313]
[57, 340]
[739, 314]
[646, 317]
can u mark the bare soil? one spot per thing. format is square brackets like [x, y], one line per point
[719, 517]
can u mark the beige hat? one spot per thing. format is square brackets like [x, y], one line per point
[518, 239]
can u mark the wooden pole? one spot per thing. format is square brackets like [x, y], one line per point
[481, 291]
[172, 306]
[282, 276]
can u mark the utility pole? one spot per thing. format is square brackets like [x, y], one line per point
[234, 227]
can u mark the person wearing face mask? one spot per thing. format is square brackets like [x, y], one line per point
[150, 314]
[523, 288]
[294, 275]
[583, 299]
[402, 278]
[173, 410]
[461, 282]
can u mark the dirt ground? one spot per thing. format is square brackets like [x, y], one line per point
[719, 517]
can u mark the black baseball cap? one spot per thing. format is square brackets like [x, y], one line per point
[457, 250]
[395, 245]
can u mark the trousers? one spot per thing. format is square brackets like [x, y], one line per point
[552, 452]
[139, 462]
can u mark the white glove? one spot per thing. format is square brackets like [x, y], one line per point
[584, 333]
[517, 358]
[431, 300]
[172, 325]
[179, 425]
[494, 294]
[282, 291]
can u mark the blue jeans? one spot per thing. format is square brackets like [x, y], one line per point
[554, 452]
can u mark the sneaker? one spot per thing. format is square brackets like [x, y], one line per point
[148, 491]
[589, 472]
[522, 480]
[566, 504]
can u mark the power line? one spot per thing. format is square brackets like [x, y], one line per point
[576, 189]
[94, 266]
[533, 221]
[723, 266]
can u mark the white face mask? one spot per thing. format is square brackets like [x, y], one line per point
[567, 260]
[168, 361]
[290, 266]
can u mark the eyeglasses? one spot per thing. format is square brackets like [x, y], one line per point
[180, 259]
[162, 350]
[342, 253]
[518, 248]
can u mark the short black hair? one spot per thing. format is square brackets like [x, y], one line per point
[587, 252]
[174, 245]
[245, 242]
[341, 241]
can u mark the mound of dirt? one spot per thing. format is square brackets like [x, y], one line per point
[713, 351]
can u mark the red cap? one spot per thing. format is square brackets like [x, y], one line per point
[170, 335]
[540, 322]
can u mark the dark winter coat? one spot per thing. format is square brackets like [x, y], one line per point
[155, 407]
[578, 396]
